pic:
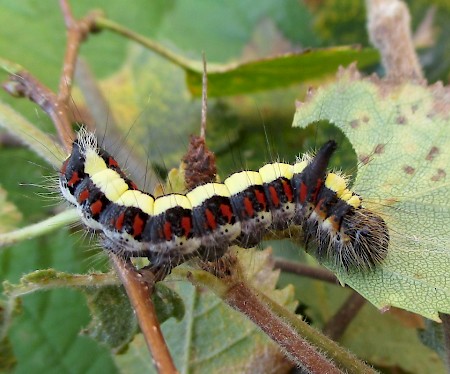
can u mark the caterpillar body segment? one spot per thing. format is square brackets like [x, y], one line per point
[279, 192]
[213, 218]
[208, 219]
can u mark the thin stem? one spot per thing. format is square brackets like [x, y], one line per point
[291, 333]
[139, 294]
[59, 280]
[297, 349]
[337, 324]
[204, 99]
[23, 84]
[65, 218]
[57, 107]
[345, 359]
[104, 23]
[307, 271]
[138, 291]
[77, 32]
[42, 280]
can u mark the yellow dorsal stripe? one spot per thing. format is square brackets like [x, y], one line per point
[199, 194]
[166, 202]
[273, 171]
[137, 199]
[238, 182]
[94, 163]
[110, 183]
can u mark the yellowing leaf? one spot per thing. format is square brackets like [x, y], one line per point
[10, 215]
[401, 137]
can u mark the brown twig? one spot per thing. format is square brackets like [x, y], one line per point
[299, 350]
[307, 271]
[139, 293]
[388, 23]
[337, 324]
[137, 290]
[23, 84]
[293, 335]
[77, 32]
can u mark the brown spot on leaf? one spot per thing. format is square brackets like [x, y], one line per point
[354, 124]
[379, 149]
[364, 159]
[401, 120]
[408, 169]
[440, 174]
[365, 119]
[414, 108]
[434, 151]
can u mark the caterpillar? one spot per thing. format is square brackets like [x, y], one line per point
[205, 221]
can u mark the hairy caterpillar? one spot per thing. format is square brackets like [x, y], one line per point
[209, 218]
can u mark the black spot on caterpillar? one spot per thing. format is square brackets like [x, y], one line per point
[205, 221]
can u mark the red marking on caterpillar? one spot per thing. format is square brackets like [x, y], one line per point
[119, 221]
[274, 196]
[303, 192]
[112, 162]
[261, 198]
[84, 195]
[249, 207]
[186, 224]
[210, 218]
[167, 231]
[287, 190]
[138, 225]
[96, 207]
[226, 212]
[73, 180]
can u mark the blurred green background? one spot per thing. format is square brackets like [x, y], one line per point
[149, 103]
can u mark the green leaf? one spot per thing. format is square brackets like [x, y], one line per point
[394, 342]
[167, 303]
[45, 335]
[212, 337]
[113, 322]
[400, 135]
[276, 72]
